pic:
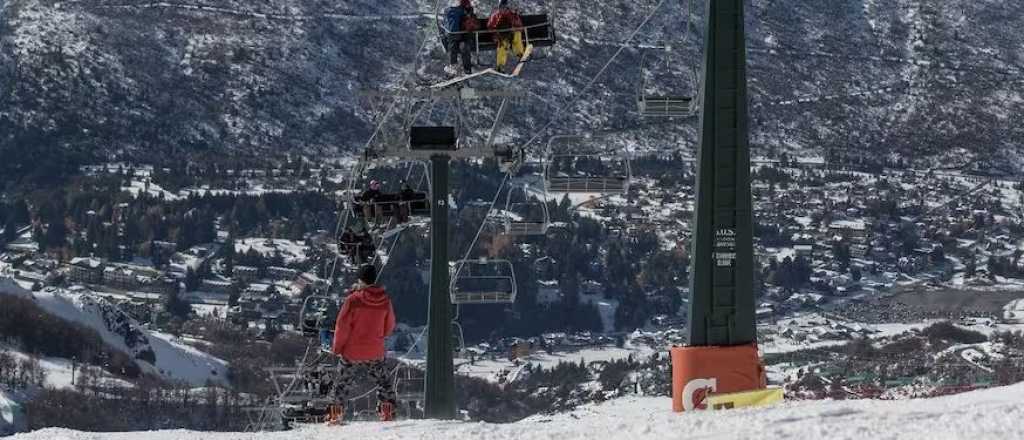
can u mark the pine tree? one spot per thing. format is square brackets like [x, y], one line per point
[191, 280]
[177, 307]
[10, 230]
[20, 212]
[229, 257]
[56, 235]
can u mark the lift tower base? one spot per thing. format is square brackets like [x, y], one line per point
[698, 372]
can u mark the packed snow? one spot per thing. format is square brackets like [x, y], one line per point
[992, 414]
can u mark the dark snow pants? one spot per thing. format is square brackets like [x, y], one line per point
[461, 44]
[377, 372]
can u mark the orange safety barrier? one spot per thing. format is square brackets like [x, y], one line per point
[700, 371]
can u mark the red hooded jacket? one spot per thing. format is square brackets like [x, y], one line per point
[504, 18]
[364, 321]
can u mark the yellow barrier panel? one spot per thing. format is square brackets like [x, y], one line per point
[745, 399]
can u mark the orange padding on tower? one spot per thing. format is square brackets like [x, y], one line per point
[699, 371]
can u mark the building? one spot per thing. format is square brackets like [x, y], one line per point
[117, 276]
[85, 270]
[129, 277]
[245, 274]
[215, 286]
[281, 273]
[856, 231]
[258, 291]
[804, 250]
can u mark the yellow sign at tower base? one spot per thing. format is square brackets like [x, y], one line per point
[745, 399]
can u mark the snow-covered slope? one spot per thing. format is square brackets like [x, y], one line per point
[993, 414]
[157, 353]
[9, 411]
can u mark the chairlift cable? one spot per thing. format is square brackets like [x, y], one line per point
[558, 113]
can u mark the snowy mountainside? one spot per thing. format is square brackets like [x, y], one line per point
[932, 82]
[992, 414]
[10, 414]
[155, 353]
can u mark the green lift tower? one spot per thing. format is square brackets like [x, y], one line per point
[722, 354]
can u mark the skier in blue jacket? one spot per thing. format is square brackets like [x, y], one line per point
[460, 22]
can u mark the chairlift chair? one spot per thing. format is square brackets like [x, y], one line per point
[525, 217]
[312, 315]
[509, 159]
[537, 30]
[654, 105]
[483, 281]
[670, 105]
[389, 205]
[358, 248]
[411, 203]
[606, 183]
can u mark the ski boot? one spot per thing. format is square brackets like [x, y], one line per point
[386, 411]
[335, 414]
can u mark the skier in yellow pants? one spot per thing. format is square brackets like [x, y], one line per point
[508, 25]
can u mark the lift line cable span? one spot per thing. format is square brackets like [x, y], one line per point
[558, 113]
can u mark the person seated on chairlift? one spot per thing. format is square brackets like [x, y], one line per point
[461, 24]
[368, 197]
[347, 241]
[508, 24]
[326, 324]
[365, 248]
[404, 208]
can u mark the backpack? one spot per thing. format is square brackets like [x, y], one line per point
[453, 19]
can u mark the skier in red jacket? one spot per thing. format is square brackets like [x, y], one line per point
[507, 24]
[365, 319]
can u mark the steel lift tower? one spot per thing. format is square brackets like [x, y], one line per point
[722, 355]
[440, 146]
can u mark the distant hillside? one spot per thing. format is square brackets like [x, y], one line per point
[152, 353]
[933, 82]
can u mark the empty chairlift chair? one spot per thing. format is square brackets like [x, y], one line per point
[483, 281]
[523, 215]
[651, 104]
[605, 173]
